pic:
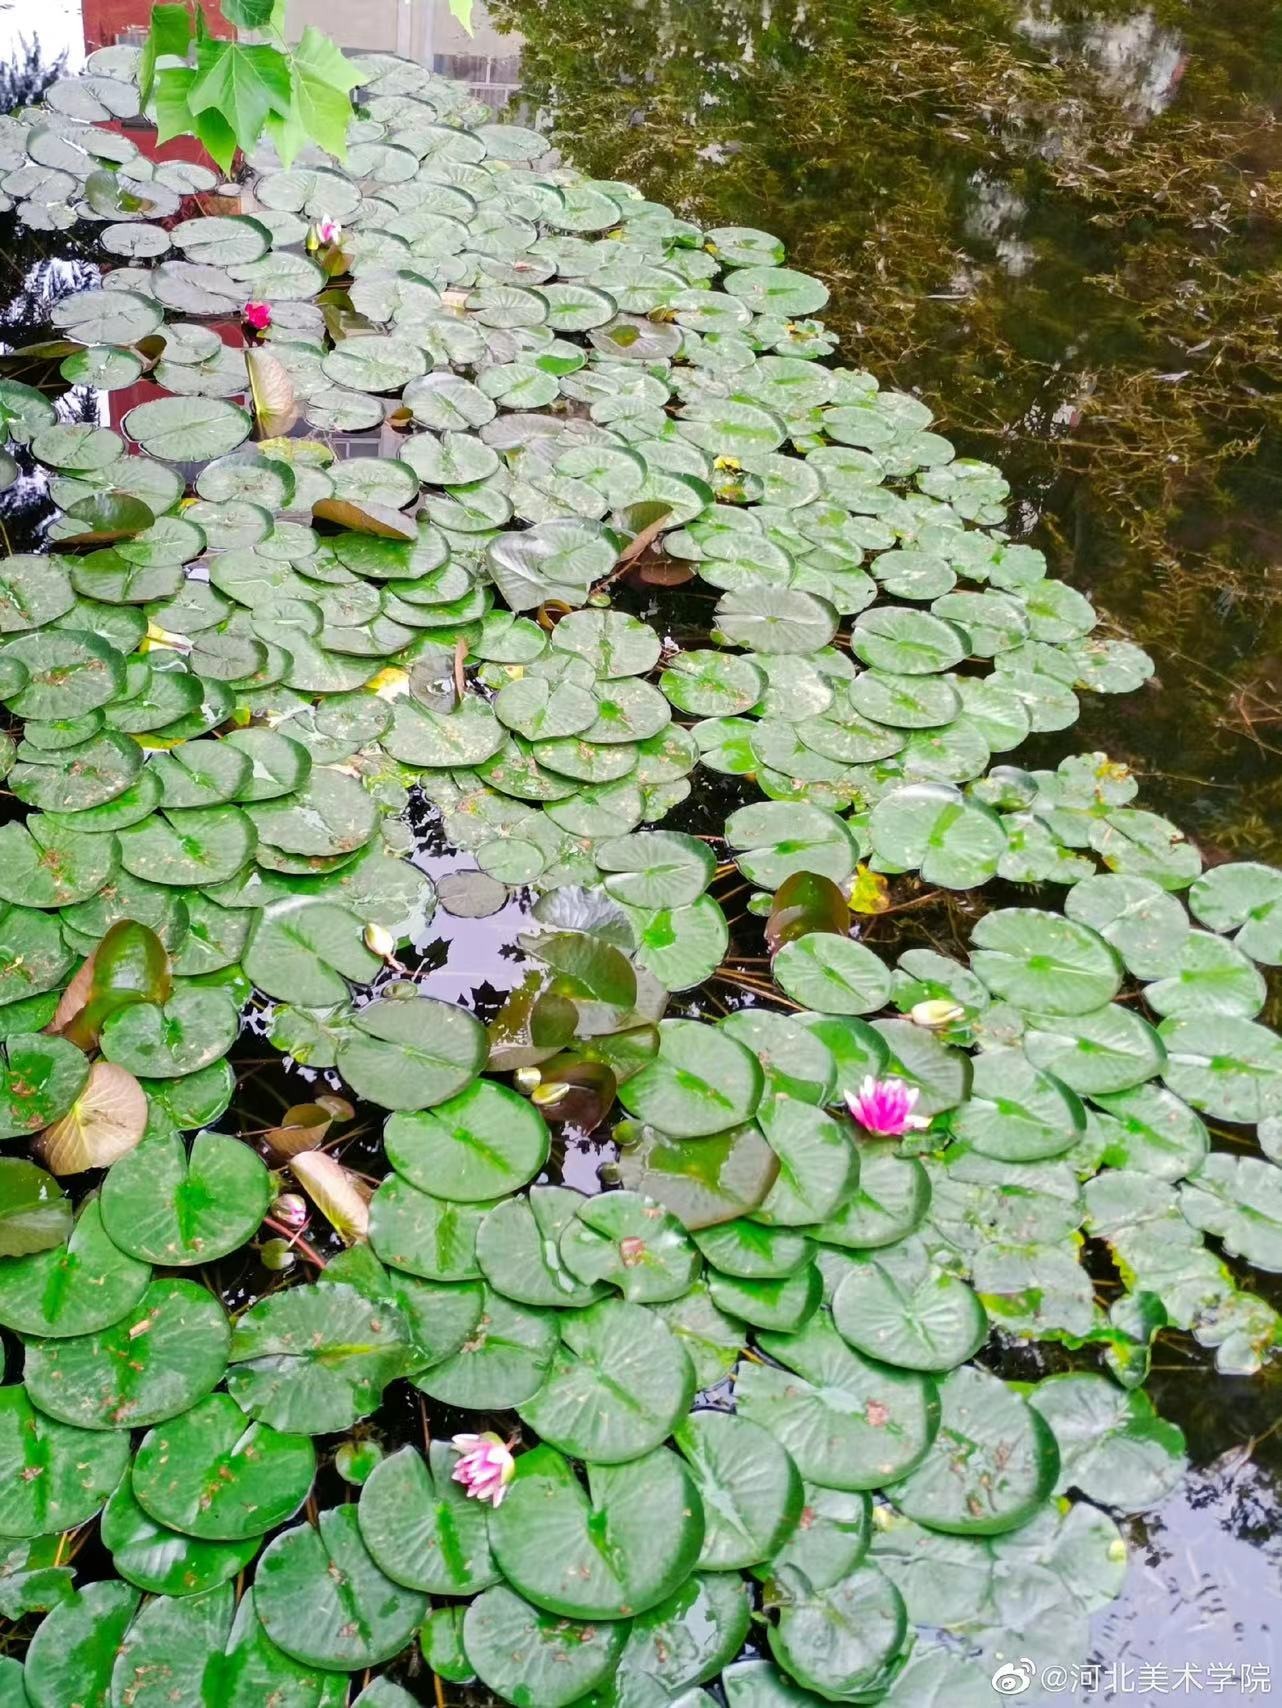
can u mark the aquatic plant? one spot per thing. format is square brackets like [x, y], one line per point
[246, 661]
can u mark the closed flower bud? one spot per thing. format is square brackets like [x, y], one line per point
[937, 1014]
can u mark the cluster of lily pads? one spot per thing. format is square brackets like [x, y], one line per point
[752, 1440]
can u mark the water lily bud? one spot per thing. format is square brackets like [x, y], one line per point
[276, 1254]
[258, 315]
[936, 1014]
[380, 940]
[291, 1209]
[528, 1080]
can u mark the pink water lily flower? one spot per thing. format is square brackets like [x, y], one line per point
[328, 230]
[485, 1468]
[884, 1108]
[258, 315]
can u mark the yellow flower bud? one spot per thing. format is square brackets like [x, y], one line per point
[937, 1014]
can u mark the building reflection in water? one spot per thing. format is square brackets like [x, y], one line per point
[422, 30]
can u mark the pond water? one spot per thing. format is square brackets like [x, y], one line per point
[1058, 225]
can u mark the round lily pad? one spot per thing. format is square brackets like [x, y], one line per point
[849, 1422]
[324, 1600]
[896, 1306]
[172, 1208]
[485, 1142]
[992, 1464]
[154, 1362]
[420, 1526]
[72, 1289]
[700, 1082]
[526, 1655]
[214, 1474]
[750, 1488]
[544, 1535]
[314, 1359]
[617, 1384]
[55, 1477]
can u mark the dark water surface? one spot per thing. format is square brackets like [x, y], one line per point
[1060, 225]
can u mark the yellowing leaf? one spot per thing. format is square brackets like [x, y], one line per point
[462, 10]
[870, 893]
[377, 519]
[335, 1193]
[275, 404]
[106, 1121]
[302, 1127]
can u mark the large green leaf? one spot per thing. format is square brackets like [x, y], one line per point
[420, 1526]
[617, 1384]
[848, 1421]
[214, 1474]
[481, 1144]
[158, 1360]
[750, 1488]
[617, 1548]
[53, 1477]
[701, 1082]
[72, 1655]
[72, 1289]
[315, 1358]
[169, 1207]
[992, 1464]
[529, 1657]
[324, 1600]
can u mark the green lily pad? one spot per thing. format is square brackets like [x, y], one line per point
[899, 1308]
[617, 1384]
[74, 1651]
[411, 1054]
[167, 1207]
[323, 1599]
[701, 1181]
[156, 1361]
[501, 1363]
[839, 1640]
[162, 1561]
[40, 1079]
[420, 1526]
[307, 951]
[170, 1647]
[55, 1477]
[751, 1490]
[315, 1359]
[35, 1212]
[777, 838]
[213, 1474]
[631, 1242]
[194, 1028]
[1113, 1446]
[991, 1466]
[481, 1144]
[701, 1082]
[72, 1289]
[536, 1659]
[518, 1249]
[1042, 962]
[544, 1535]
